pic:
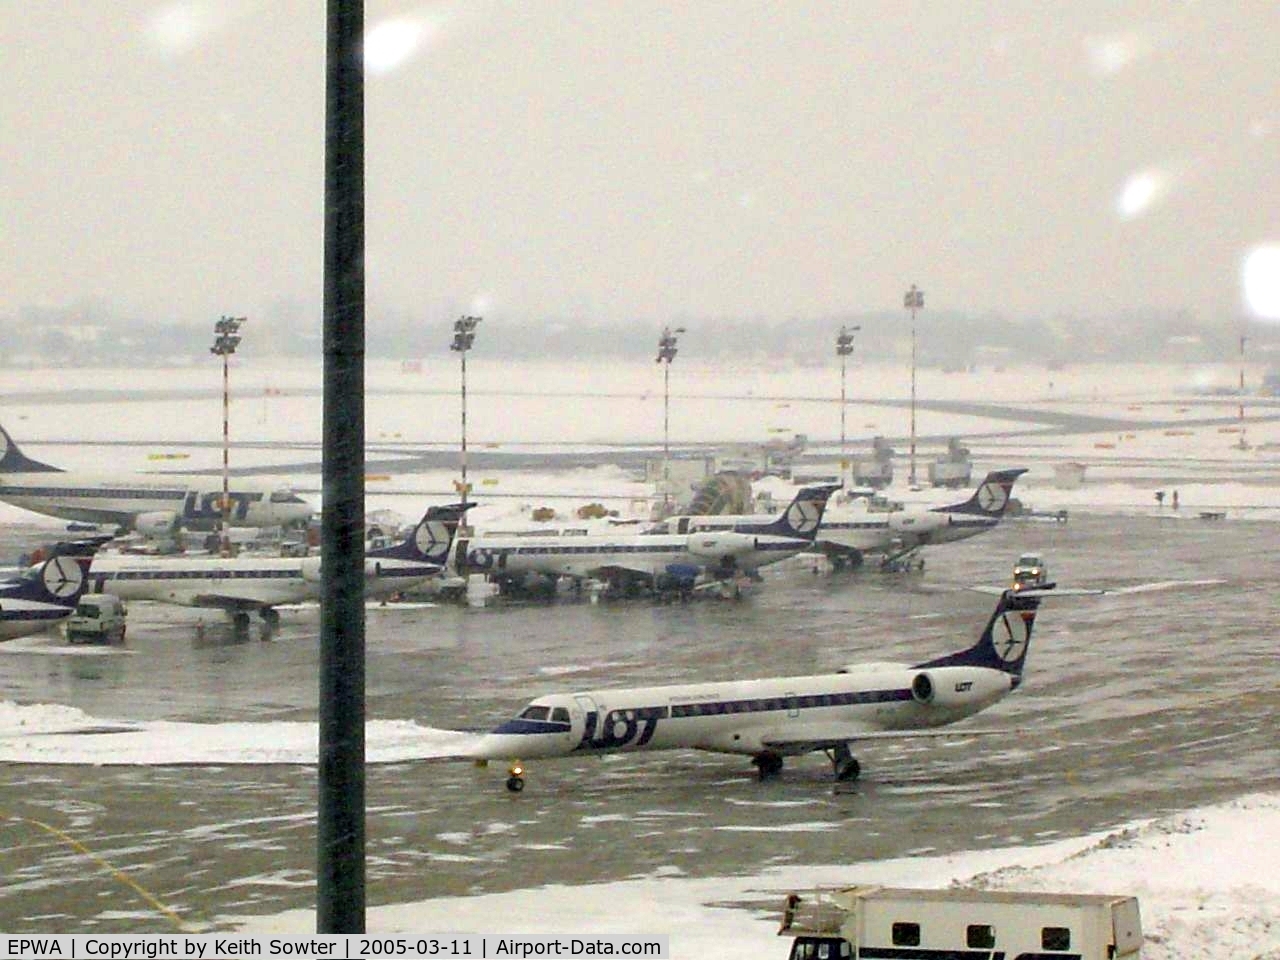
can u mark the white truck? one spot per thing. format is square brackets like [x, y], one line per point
[97, 618]
[864, 921]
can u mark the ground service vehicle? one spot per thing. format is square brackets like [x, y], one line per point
[97, 618]
[874, 921]
[1030, 571]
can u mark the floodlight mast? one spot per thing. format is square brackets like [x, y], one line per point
[1243, 444]
[913, 300]
[666, 353]
[226, 339]
[844, 348]
[464, 335]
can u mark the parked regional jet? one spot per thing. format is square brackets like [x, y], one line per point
[239, 585]
[660, 561]
[153, 504]
[847, 534]
[779, 717]
[42, 596]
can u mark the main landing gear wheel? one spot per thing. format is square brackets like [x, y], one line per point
[515, 778]
[844, 765]
[270, 621]
[769, 765]
[240, 623]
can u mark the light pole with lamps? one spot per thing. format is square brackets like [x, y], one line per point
[226, 339]
[464, 335]
[666, 353]
[844, 347]
[1244, 445]
[913, 300]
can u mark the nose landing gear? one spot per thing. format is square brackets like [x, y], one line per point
[515, 777]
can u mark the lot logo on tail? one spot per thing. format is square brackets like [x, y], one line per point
[803, 516]
[62, 577]
[1009, 635]
[432, 537]
[992, 497]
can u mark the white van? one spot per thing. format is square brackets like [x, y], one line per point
[97, 618]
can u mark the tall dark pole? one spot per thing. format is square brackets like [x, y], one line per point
[340, 833]
[913, 301]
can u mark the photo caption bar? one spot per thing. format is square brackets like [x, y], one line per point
[345, 946]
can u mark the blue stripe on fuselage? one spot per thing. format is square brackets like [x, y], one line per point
[519, 725]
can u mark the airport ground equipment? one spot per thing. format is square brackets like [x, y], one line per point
[874, 921]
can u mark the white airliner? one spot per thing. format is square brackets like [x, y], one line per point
[660, 561]
[848, 534]
[41, 597]
[779, 717]
[153, 504]
[240, 585]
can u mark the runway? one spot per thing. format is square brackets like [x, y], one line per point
[1134, 705]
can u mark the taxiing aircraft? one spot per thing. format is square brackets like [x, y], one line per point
[770, 719]
[152, 504]
[654, 560]
[241, 585]
[41, 597]
[848, 535]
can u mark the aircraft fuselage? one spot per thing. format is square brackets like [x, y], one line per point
[193, 506]
[785, 715]
[239, 582]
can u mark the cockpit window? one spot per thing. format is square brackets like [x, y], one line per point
[286, 496]
[535, 712]
[560, 715]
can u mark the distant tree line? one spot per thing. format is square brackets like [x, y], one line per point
[95, 335]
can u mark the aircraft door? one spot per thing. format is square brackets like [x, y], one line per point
[584, 718]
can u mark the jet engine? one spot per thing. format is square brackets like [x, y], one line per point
[958, 686]
[161, 525]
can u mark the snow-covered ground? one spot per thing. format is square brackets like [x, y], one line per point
[1206, 879]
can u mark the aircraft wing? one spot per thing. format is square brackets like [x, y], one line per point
[218, 601]
[808, 737]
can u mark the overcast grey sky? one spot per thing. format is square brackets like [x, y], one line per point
[615, 160]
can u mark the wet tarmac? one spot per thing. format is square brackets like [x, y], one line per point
[1134, 705]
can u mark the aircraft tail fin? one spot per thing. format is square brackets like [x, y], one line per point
[431, 539]
[991, 496]
[1003, 644]
[13, 460]
[60, 580]
[802, 517]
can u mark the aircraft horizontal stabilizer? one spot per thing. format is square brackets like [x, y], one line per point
[1097, 591]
